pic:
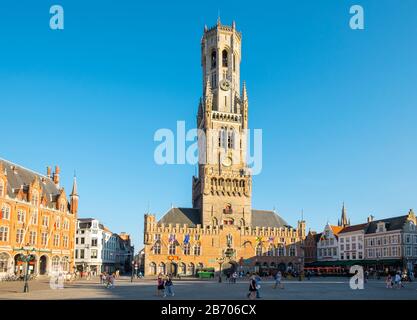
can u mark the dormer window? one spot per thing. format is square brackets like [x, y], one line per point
[62, 206]
[381, 227]
[35, 198]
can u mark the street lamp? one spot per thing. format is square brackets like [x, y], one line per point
[26, 258]
[220, 261]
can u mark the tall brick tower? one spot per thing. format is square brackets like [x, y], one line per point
[222, 190]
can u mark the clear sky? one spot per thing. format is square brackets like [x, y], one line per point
[337, 106]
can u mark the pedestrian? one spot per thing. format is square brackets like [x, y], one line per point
[234, 276]
[278, 279]
[397, 280]
[388, 281]
[169, 287]
[308, 275]
[252, 288]
[160, 285]
[258, 285]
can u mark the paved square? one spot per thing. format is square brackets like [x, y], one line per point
[316, 288]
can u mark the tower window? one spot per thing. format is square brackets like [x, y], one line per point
[224, 58]
[213, 59]
[234, 62]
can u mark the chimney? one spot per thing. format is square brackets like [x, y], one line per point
[48, 172]
[370, 218]
[56, 175]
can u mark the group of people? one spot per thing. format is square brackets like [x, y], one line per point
[165, 286]
[394, 281]
[232, 277]
[108, 279]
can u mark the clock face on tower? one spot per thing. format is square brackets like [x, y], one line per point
[225, 85]
[227, 162]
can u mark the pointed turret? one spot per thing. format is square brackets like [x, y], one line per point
[74, 197]
[208, 96]
[244, 93]
[344, 220]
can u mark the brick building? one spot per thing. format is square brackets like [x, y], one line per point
[37, 219]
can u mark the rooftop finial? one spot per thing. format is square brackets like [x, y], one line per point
[218, 17]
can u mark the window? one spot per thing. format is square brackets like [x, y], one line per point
[213, 59]
[408, 238]
[34, 216]
[19, 236]
[342, 240]
[360, 256]
[342, 256]
[32, 237]
[1, 188]
[45, 221]
[82, 240]
[234, 62]
[44, 238]
[4, 233]
[94, 242]
[342, 247]
[187, 249]
[35, 198]
[292, 251]
[353, 238]
[408, 251]
[66, 224]
[172, 248]
[58, 222]
[65, 241]
[93, 254]
[157, 249]
[82, 254]
[62, 206]
[21, 215]
[224, 58]
[157, 236]
[5, 212]
[334, 251]
[197, 250]
[259, 250]
[354, 256]
[56, 240]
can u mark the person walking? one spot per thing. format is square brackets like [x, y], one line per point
[252, 288]
[388, 281]
[278, 278]
[258, 280]
[169, 287]
[234, 276]
[397, 280]
[160, 285]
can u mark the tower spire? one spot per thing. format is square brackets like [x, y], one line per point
[344, 220]
[74, 197]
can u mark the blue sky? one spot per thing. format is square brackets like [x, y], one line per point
[337, 106]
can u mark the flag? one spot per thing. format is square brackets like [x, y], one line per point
[187, 239]
[171, 238]
[259, 239]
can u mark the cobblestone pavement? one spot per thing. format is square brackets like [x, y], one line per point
[316, 288]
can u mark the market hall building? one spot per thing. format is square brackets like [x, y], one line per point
[221, 230]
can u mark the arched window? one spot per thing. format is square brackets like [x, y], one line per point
[271, 250]
[213, 59]
[230, 139]
[191, 268]
[4, 262]
[242, 222]
[222, 138]
[4, 233]
[258, 250]
[152, 268]
[280, 251]
[224, 58]
[55, 263]
[65, 264]
[1, 188]
[228, 222]
[161, 268]
[215, 221]
[183, 268]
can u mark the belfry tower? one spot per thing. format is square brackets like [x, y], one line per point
[222, 190]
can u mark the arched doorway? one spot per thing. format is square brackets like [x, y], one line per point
[282, 267]
[182, 269]
[43, 265]
[173, 268]
[161, 268]
[152, 268]
[191, 269]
